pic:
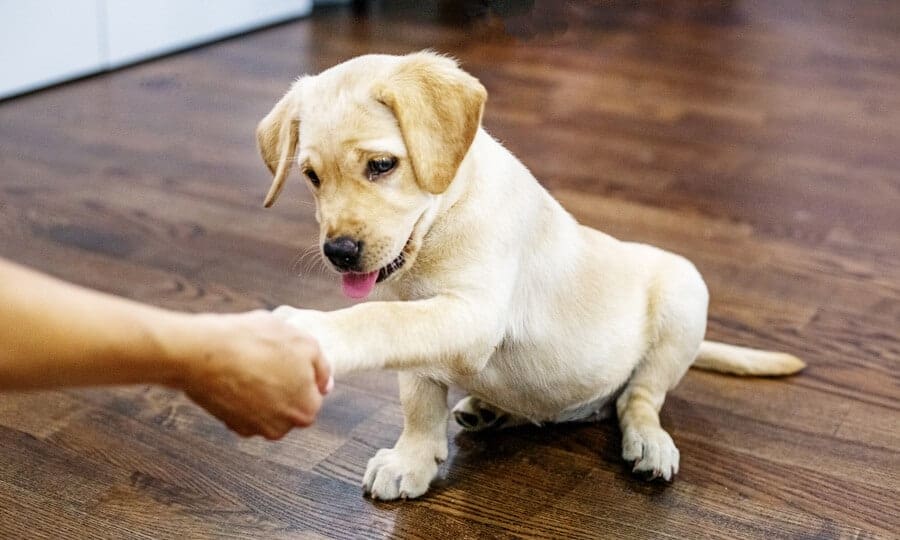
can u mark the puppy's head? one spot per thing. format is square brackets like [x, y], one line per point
[376, 138]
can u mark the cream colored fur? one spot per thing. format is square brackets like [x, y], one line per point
[503, 293]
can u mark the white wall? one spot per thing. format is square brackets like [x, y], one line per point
[43, 42]
[46, 41]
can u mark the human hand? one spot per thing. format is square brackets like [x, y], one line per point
[316, 325]
[254, 372]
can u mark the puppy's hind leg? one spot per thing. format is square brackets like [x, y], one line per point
[644, 441]
[474, 414]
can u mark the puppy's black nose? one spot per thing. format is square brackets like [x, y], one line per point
[343, 252]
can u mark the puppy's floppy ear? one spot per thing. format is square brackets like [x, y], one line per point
[276, 136]
[438, 107]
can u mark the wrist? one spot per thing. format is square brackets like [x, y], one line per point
[182, 340]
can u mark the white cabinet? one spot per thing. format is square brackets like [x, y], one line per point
[43, 42]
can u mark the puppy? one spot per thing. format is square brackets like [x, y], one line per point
[482, 279]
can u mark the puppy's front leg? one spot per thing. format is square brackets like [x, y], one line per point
[407, 469]
[401, 335]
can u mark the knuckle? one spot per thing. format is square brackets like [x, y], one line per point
[301, 418]
[307, 346]
[273, 433]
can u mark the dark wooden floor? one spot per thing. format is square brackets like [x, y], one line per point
[761, 140]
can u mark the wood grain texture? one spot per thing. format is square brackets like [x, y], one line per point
[759, 139]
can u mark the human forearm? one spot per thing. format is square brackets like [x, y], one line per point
[252, 370]
[55, 334]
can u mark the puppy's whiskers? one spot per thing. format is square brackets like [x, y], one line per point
[297, 259]
[303, 258]
[316, 263]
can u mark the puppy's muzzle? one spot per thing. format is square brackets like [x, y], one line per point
[343, 252]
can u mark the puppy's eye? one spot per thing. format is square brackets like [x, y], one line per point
[380, 165]
[313, 177]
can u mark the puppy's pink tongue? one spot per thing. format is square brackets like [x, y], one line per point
[358, 285]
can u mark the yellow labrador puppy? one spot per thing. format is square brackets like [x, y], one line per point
[484, 281]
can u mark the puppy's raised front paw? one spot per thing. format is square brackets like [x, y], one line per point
[283, 312]
[290, 314]
[397, 474]
[316, 324]
[653, 452]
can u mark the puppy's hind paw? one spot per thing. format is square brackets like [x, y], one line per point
[652, 451]
[475, 415]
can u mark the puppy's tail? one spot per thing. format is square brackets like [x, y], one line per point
[735, 360]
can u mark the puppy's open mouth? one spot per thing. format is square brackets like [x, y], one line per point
[394, 265]
[360, 285]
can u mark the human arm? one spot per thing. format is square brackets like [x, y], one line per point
[251, 370]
